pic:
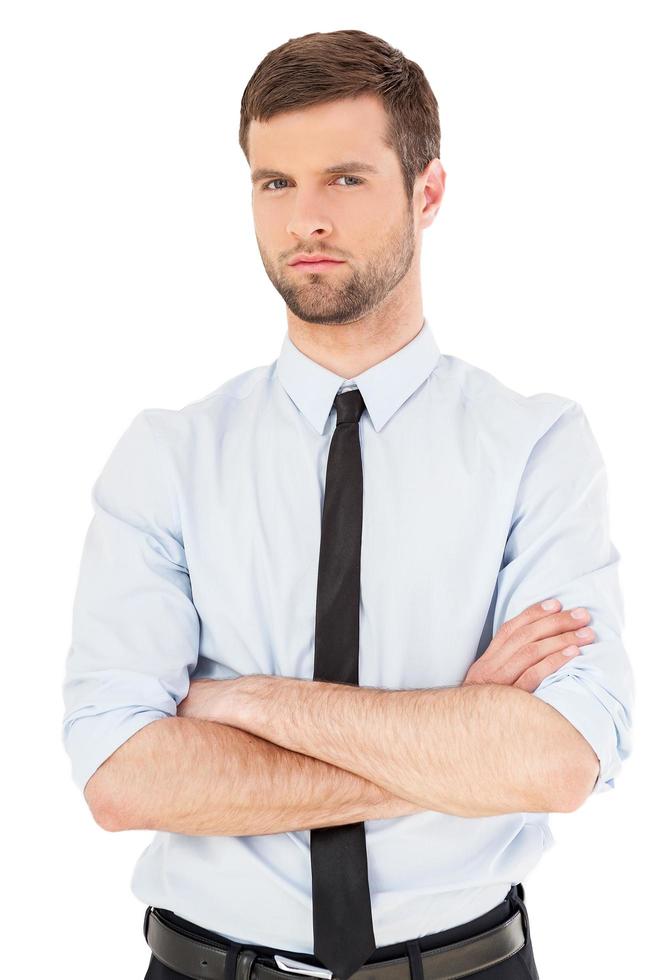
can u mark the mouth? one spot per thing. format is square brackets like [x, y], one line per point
[319, 266]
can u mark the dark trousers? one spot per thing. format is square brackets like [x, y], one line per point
[520, 966]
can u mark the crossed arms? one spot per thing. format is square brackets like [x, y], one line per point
[284, 754]
[265, 754]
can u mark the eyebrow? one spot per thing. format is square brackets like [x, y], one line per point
[262, 173]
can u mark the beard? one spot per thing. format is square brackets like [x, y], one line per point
[332, 297]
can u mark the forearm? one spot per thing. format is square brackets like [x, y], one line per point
[191, 776]
[476, 750]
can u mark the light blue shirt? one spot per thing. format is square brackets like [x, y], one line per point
[201, 559]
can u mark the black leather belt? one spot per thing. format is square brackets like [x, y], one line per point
[203, 960]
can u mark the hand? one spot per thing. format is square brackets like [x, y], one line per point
[528, 648]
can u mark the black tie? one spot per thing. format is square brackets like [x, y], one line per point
[341, 904]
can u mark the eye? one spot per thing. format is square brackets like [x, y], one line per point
[266, 187]
[350, 177]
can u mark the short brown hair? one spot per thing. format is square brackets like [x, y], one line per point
[318, 68]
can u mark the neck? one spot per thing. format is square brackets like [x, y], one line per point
[348, 349]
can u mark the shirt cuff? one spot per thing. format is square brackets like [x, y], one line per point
[90, 740]
[579, 705]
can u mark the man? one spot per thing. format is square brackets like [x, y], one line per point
[336, 614]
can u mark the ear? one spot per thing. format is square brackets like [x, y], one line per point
[429, 188]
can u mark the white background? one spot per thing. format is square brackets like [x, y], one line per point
[131, 279]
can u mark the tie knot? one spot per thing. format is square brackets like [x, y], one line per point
[349, 406]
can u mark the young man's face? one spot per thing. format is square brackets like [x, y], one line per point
[361, 218]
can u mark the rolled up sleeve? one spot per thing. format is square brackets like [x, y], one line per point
[135, 630]
[559, 546]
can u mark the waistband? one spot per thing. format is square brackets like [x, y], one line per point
[201, 954]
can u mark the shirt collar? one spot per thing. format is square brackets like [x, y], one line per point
[384, 386]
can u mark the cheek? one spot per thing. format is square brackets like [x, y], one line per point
[359, 226]
[268, 221]
[373, 218]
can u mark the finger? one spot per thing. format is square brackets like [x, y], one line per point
[552, 625]
[498, 652]
[530, 680]
[531, 614]
[533, 653]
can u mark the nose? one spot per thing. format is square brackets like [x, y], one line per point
[308, 219]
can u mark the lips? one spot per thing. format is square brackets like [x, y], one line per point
[315, 267]
[312, 260]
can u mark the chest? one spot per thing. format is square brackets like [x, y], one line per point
[435, 516]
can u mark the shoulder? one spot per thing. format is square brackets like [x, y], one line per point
[208, 414]
[498, 409]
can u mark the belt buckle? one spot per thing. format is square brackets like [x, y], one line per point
[296, 966]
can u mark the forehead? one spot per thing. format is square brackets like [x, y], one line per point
[351, 128]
